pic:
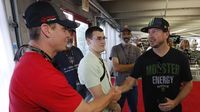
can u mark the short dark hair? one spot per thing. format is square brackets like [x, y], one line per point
[90, 30]
[34, 32]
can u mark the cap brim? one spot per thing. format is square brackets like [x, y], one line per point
[126, 29]
[68, 23]
[145, 29]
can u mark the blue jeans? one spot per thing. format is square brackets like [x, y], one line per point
[132, 98]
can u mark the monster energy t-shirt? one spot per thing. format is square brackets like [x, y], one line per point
[161, 76]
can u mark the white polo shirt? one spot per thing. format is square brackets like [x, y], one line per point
[90, 70]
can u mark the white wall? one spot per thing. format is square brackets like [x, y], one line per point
[6, 59]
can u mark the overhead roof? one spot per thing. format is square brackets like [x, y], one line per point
[183, 15]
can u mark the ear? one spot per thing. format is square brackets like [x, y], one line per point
[88, 40]
[45, 29]
[167, 34]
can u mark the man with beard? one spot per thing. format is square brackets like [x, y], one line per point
[165, 71]
[123, 57]
[67, 62]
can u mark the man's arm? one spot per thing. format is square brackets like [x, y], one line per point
[121, 67]
[128, 84]
[98, 104]
[97, 92]
[187, 87]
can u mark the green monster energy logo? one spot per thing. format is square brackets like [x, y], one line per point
[164, 68]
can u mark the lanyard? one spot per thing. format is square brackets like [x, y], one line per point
[21, 51]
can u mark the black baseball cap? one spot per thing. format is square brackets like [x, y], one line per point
[43, 12]
[159, 23]
[125, 30]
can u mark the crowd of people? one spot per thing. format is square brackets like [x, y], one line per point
[52, 75]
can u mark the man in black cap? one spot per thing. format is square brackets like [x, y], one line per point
[36, 86]
[165, 71]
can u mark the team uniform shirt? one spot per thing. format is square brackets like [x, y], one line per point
[67, 62]
[125, 55]
[36, 86]
[90, 70]
[161, 77]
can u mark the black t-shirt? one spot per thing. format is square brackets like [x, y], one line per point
[161, 76]
[67, 62]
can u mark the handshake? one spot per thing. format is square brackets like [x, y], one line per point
[116, 93]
